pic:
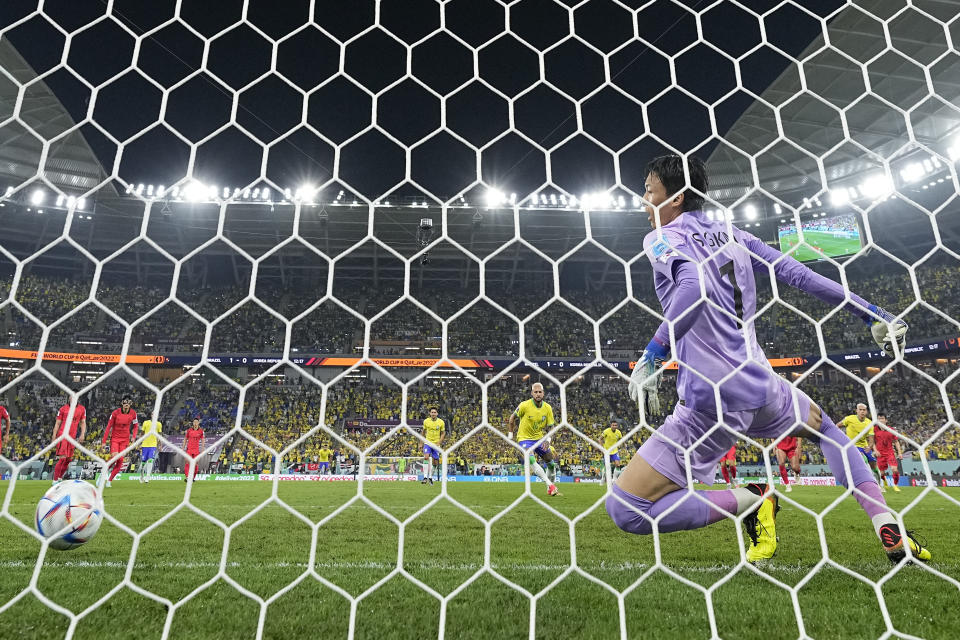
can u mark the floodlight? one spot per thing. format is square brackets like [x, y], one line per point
[877, 186]
[194, 192]
[839, 197]
[912, 172]
[494, 197]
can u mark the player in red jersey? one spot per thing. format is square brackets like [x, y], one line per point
[122, 422]
[65, 447]
[194, 443]
[3, 416]
[789, 449]
[889, 451]
[728, 467]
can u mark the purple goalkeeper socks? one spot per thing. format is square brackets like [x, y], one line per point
[831, 441]
[691, 513]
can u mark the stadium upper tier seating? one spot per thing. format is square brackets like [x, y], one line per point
[482, 330]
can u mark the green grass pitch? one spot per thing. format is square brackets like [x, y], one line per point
[831, 245]
[444, 547]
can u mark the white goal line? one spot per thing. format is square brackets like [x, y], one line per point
[612, 567]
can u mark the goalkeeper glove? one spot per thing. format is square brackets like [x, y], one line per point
[645, 380]
[886, 330]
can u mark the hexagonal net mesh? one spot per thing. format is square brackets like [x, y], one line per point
[438, 203]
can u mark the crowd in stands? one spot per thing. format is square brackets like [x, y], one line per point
[34, 403]
[280, 415]
[484, 330]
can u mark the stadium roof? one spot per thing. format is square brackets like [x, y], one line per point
[812, 123]
[879, 122]
[71, 165]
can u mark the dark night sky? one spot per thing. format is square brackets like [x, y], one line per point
[340, 109]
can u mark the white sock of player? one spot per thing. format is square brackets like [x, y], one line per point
[746, 499]
[429, 474]
[537, 469]
[149, 467]
[881, 519]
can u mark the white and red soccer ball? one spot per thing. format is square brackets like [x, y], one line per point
[69, 514]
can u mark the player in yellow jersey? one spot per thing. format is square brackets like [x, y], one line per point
[433, 431]
[860, 429]
[611, 436]
[535, 416]
[148, 448]
[323, 460]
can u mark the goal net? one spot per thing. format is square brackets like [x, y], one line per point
[394, 467]
[325, 241]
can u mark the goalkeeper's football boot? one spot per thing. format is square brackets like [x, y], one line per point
[896, 488]
[552, 490]
[893, 544]
[761, 526]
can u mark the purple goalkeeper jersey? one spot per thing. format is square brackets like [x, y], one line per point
[722, 345]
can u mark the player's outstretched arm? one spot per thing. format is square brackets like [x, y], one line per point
[681, 314]
[644, 387]
[884, 327]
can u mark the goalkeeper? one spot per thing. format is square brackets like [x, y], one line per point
[725, 377]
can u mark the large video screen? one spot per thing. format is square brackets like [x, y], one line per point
[824, 237]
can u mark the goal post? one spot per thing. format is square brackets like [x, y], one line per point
[393, 465]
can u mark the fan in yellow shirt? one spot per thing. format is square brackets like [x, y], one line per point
[860, 429]
[433, 431]
[148, 448]
[611, 436]
[534, 416]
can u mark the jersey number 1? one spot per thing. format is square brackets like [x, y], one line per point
[728, 270]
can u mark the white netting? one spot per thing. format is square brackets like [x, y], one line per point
[860, 113]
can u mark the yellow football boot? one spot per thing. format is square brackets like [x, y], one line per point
[893, 544]
[761, 526]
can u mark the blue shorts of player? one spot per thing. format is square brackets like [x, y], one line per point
[614, 457]
[867, 453]
[148, 453]
[543, 450]
[431, 452]
[323, 466]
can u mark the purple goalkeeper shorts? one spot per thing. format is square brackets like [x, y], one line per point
[686, 426]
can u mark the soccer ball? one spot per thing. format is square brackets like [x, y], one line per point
[69, 514]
